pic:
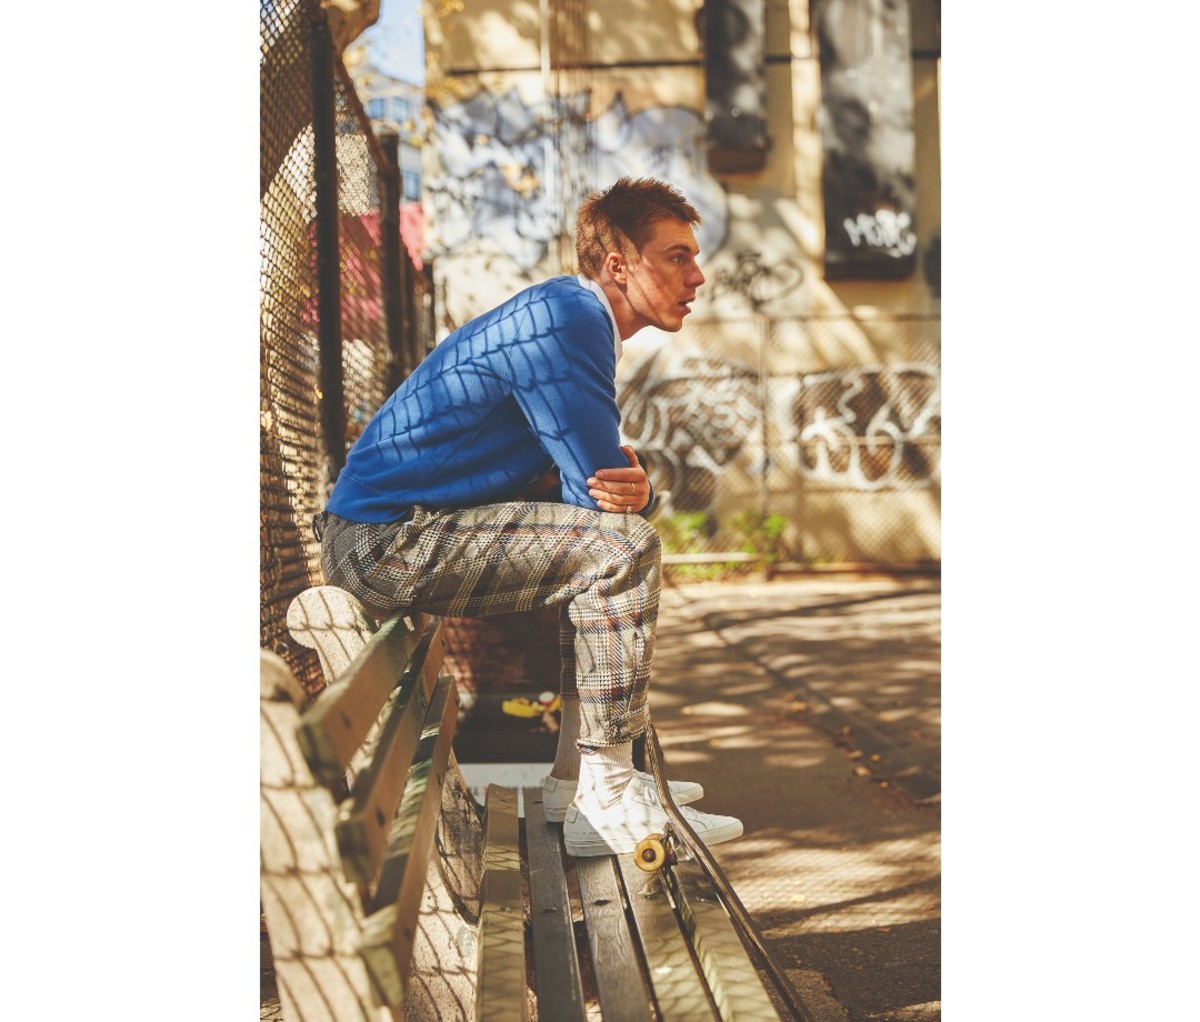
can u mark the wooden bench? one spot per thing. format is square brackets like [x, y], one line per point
[389, 893]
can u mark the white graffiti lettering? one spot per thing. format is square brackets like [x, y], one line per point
[871, 428]
[885, 230]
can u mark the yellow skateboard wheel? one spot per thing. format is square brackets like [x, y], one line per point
[650, 855]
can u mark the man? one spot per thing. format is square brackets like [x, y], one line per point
[436, 509]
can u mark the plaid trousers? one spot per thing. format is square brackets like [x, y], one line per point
[603, 570]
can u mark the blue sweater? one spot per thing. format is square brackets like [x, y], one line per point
[514, 392]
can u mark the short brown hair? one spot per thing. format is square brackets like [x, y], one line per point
[617, 218]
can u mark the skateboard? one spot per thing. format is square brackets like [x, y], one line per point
[546, 710]
[678, 839]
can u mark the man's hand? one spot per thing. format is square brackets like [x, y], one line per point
[623, 490]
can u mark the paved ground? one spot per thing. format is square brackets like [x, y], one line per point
[810, 708]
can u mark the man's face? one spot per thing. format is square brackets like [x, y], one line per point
[663, 279]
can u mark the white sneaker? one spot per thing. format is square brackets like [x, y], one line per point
[557, 795]
[589, 830]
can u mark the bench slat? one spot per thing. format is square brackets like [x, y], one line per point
[394, 909]
[345, 712]
[620, 986]
[679, 995]
[501, 990]
[417, 816]
[732, 977]
[556, 961]
[367, 820]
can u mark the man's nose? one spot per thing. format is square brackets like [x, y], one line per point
[697, 277]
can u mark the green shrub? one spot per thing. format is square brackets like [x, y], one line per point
[685, 532]
[761, 534]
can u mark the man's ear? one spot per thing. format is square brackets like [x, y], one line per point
[614, 263]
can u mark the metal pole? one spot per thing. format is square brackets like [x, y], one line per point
[397, 299]
[429, 307]
[764, 368]
[408, 287]
[764, 398]
[329, 299]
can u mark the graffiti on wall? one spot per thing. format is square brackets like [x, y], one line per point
[885, 231]
[870, 428]
[757, 281]
[866, 429]
[496, 155]
[868, 146]
[688, 418]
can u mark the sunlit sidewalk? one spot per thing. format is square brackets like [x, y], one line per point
[839, 865]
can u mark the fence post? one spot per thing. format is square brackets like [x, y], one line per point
[424, 325]
[764, 406]
[397, 299]
[414, 280]
[329, 298]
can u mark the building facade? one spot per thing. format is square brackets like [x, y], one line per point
[397, 105]
[798, 411]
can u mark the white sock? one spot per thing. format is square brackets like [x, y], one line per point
[604, 773]
[566, 755]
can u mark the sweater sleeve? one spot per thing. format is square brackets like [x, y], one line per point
[565, 386]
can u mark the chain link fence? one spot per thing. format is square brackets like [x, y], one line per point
[344, 313]
[799, 442]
